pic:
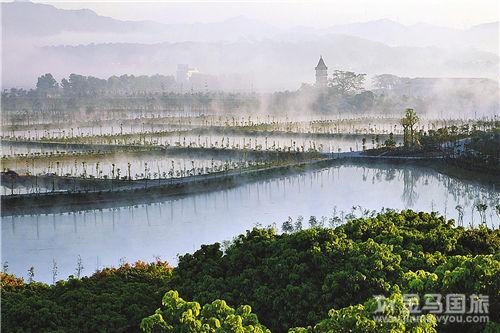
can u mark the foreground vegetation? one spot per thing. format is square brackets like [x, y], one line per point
[314, 280]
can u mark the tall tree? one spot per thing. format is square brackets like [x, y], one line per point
[387, 81]
[408, 122]
[46, 83]
[347, 83]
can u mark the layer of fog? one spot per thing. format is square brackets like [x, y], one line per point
[259, 55]
[263, 66]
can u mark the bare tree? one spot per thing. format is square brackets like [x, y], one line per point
[79, 266]
[31, 274]
[54, 271]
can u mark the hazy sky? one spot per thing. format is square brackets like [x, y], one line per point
[454, 13]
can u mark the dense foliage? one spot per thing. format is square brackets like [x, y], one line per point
[475, 132]
[112, 300]
[360, 318]
[314, 280]
[294, 279]
[79, 85]
[475, 147]
[178, 315]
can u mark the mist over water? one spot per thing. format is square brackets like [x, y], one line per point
[241, 52]
[177, 226]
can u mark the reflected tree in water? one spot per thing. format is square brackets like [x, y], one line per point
[410, 179]
[460, 211]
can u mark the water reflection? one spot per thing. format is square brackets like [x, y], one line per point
[104, 237]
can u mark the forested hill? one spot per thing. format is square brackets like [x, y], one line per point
[320, 279]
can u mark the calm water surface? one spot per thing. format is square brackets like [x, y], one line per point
[107, 237]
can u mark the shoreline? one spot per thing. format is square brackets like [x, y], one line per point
[158, 190]
[57, 202]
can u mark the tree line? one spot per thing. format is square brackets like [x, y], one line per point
[80, 85]
[125, 93]
[346, 92]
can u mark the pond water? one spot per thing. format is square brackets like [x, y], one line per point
[177, 226]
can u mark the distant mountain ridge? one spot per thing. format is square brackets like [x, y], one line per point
[33, 20]
[29, 19]
[421, 34]
[60, 26]
[39, 38]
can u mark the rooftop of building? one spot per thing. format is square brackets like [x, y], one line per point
[321, 64]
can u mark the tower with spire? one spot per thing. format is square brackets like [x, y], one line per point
[321, 73]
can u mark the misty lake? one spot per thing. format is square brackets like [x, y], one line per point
[177, 226]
